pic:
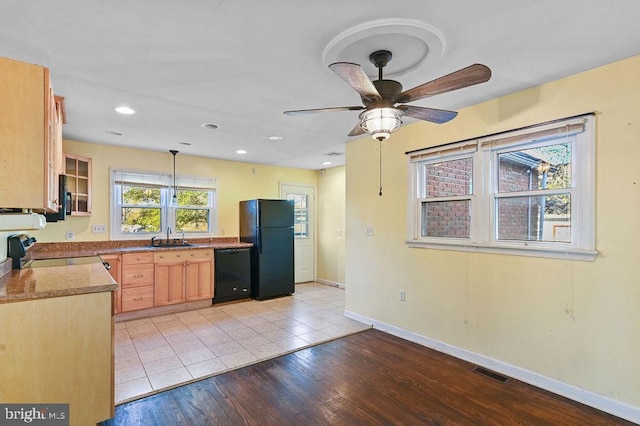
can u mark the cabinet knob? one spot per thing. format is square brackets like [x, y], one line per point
[178, 255]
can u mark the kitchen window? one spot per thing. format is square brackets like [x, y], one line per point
[141, 205]
[526, 192]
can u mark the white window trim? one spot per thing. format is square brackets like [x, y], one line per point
[582, 246]
[167, 219]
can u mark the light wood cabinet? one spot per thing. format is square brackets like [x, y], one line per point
[136, 298]
[59, 350]
[78, 171]
[199, 280]
[160, 278]
[137, 274]
[183, 275]
[115, 272]
[30, 137]
[169, 283]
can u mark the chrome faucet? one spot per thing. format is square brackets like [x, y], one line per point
[183, 241]
[168, 232]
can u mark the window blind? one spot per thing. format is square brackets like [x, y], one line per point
[124, 177]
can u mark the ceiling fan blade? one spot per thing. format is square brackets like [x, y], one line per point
[357, 78]
[469, 76]
[356, 130]
[428, 114]
[315, 110]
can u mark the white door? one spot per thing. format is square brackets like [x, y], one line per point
[304, 229]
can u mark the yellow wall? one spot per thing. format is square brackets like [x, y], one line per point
[571, 321]
[331, 226]
[236, 181]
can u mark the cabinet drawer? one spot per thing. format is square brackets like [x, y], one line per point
[137, 298]
[182, 255]
[134, 258]
[137, 275]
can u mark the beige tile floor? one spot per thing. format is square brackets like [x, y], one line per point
[157, 353]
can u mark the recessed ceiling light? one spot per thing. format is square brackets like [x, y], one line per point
[125, 110]
[185, 143]
[275, 138]
[241, 151]
[209, 126]
[111, 132]
[326, 163]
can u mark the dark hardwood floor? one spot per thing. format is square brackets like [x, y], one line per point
[369, 378]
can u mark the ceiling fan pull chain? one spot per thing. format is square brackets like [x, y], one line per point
[380, 170]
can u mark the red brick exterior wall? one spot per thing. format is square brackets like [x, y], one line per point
[517, 219]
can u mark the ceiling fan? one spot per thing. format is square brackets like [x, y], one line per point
[382, 116]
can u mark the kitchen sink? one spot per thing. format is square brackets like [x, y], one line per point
[172, 244]
[158, 243]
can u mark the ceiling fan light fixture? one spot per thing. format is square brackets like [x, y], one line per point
[381, 122]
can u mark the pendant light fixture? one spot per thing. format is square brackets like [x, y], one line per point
[174, 199]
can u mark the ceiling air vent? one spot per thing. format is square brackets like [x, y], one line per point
[334, 154]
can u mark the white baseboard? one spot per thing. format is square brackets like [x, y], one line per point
[592, 399]
[331, 283]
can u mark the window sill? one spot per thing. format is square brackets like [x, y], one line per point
[553, 253]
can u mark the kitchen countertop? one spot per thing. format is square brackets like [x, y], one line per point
[55, 281]
[92, 277]
[59, 250]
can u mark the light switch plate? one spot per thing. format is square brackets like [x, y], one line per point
[99, 229]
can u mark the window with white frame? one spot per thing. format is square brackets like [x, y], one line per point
[529, 192]
[301, 214]
[141, 205]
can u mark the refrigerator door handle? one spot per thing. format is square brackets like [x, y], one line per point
[260, 240]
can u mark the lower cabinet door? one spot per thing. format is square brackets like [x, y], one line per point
[135, 298]
[199, 280]
[169, 283]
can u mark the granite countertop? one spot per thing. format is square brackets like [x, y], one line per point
[60, 250]
[88, 277]
[55, 281]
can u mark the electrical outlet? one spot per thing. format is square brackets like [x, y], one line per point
[402, 296]
[99, 229]
[221, 231]
[339, 233]
[369, 231]
[70, 235]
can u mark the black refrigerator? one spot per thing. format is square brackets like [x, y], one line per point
[268, 224]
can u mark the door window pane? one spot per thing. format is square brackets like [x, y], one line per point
[301, 214]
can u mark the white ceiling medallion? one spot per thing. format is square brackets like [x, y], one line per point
[412, 43]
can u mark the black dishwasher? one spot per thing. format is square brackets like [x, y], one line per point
[232, 274]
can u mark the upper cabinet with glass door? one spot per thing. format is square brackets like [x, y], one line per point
[78, 171]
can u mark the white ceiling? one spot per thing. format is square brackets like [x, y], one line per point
[240, 63]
